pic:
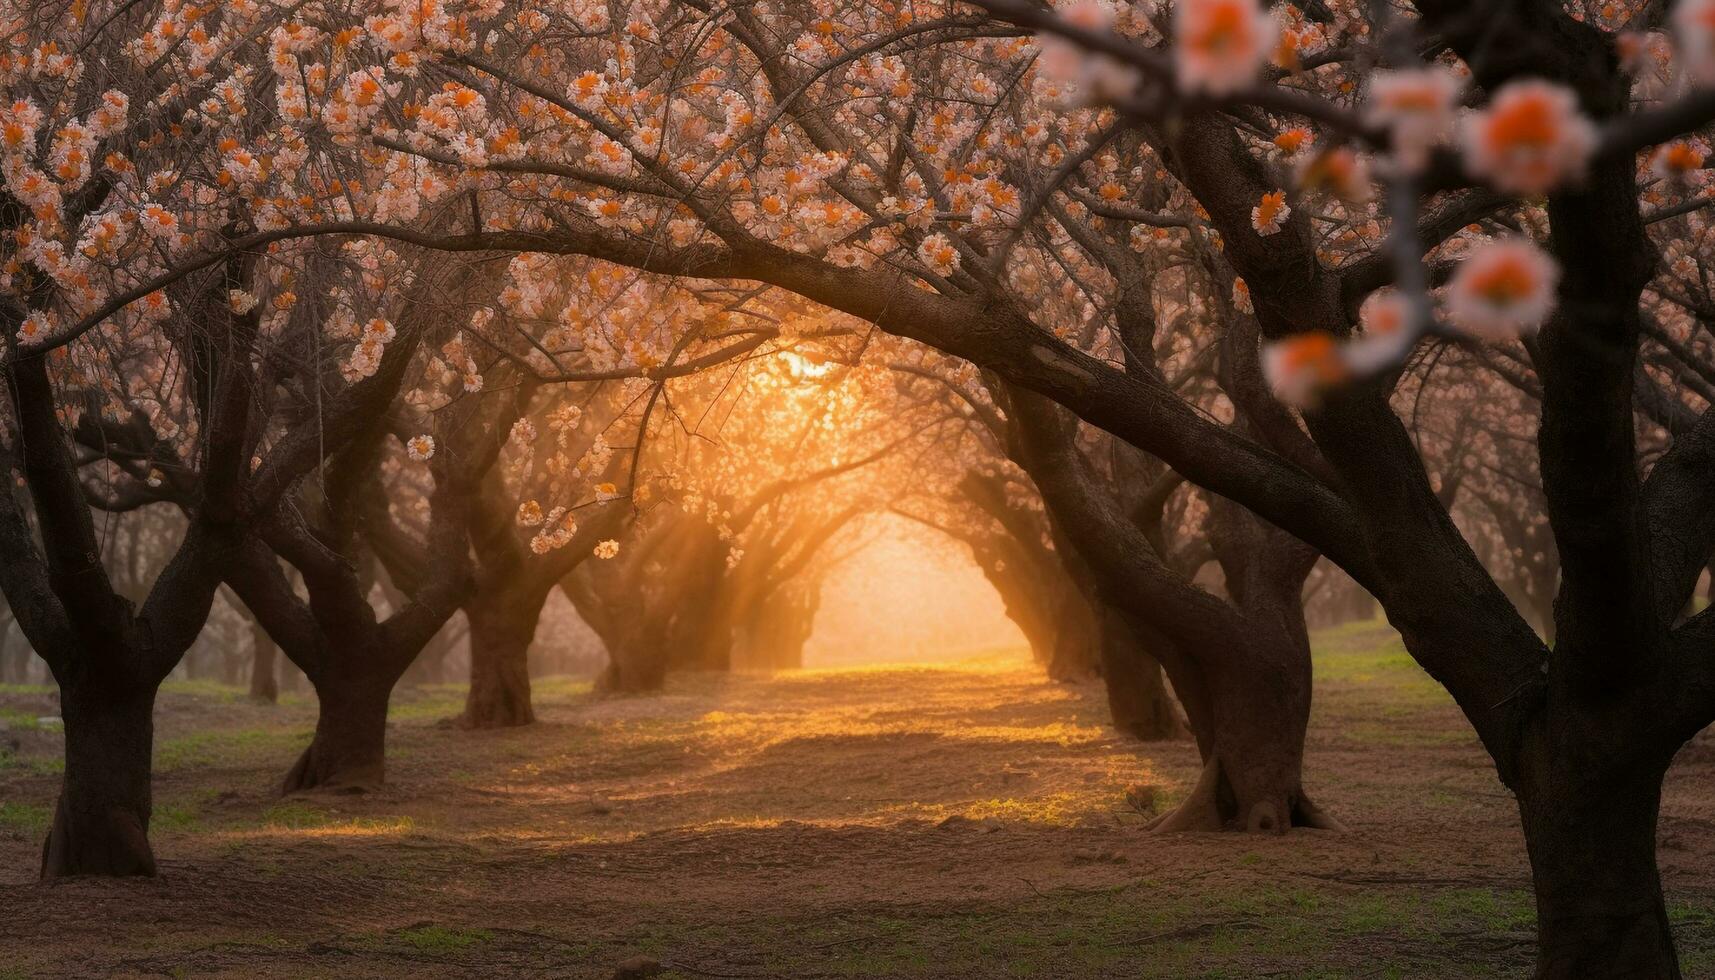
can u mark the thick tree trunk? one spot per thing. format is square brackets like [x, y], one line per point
[1249, 708]
[349, 751]
[1138, 698]
[634, 668]
[1599, 905]
[101, 825]
[264, 686]
[1252, 781]
[500, 635]
[1078, 636]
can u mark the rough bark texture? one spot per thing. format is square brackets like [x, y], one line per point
[500, 635]
[1599, 904]
[349, 751]
[101, 824]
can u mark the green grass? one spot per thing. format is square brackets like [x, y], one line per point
[212, 690]
[227, 748]
[179, 817]
[12, 719]
[439, 939]
[24, 818]
[430, 702]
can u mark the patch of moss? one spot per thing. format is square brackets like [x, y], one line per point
[439, 939]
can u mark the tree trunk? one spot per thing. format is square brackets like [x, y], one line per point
[1251, 729]
[1599, 905]
[431, 666]
[1078, 638]
[500, 635]
[231, 664]
[101, 825]
[264, 687]
[8, 673]
[634, 668]
[349, 751]
[1138, 698]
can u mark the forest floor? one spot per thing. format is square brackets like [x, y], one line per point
[961, 820]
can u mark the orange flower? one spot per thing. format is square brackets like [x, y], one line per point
[1293, 140]
[1270, 213]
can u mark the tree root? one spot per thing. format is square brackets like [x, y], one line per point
[309, 774]
[1209, 809]
[114, 844]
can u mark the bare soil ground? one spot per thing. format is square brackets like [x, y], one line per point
[966, 820]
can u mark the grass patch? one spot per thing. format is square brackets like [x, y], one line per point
[430, 702]
[439, 939]
[179, 817]
[204, 688]
[12, 719]
[225, 749]
[24, 818]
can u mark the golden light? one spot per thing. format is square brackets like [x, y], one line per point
[806, 367]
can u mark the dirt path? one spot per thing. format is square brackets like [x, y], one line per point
[960, 821]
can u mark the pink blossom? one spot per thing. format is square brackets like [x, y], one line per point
[1416, 106]
[1531, 140]
[1219, 45]
[1503, 289]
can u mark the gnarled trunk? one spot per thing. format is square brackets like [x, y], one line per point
[1599, 905]
[1249, 708]
[349, 750]
[101, 825]
[264, 686]
[1138, 698]
[1251, 731]
[500, 635]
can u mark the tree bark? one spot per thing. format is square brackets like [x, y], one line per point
[1250, 708]
[101, 824]
[349, 751]
[264, 686]
[1599, 904]
[1138, 698]
[500, 635]
[634, 669]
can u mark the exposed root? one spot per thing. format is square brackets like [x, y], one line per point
[1308, 814]
[111, 843]
[1211, 807]
[312, 773]
[1200, 812]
